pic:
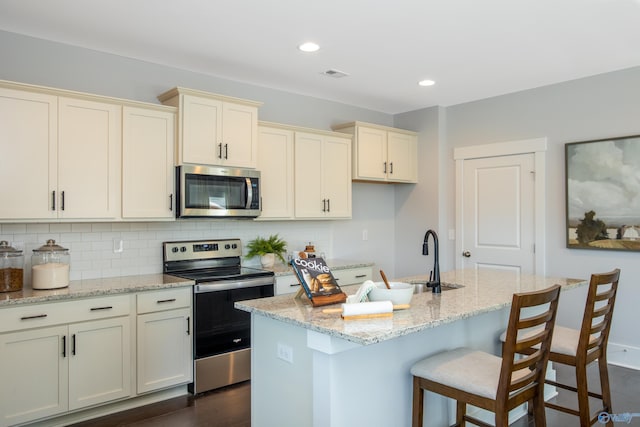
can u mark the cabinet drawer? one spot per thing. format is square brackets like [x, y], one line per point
[169, 299]
[56, 313]
[286, 284]
[352, 276]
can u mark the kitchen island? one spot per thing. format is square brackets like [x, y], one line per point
[313, 368]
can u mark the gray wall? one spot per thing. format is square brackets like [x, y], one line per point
[597, 107]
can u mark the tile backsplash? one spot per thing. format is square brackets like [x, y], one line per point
[95, 247]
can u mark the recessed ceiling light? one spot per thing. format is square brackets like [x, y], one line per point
[309, 47]
[426, 82]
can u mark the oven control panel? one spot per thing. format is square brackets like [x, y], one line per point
[201, 249]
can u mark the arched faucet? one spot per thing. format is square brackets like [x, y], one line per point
[434, 275]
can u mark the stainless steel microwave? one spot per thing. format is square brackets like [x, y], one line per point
[217, 192]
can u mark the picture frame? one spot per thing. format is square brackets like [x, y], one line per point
[602, 191]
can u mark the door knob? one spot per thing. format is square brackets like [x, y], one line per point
[466, 254]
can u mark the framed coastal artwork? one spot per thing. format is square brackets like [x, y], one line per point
[603, 194]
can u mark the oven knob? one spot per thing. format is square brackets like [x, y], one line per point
[234, 246]
[183, 249]
[174, 249]
[227, 246]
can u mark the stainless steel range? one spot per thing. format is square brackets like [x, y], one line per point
[222, 334]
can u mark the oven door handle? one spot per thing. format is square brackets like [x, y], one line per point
[225, 285]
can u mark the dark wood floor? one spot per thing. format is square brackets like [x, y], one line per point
[230, 407]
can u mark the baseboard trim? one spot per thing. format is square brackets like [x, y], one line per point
[111, 408]
[625, 356]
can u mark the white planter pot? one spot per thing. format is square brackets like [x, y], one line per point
[267, 260]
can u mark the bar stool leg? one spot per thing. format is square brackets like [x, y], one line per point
[604, 386]
[583, 394]
[418, 404]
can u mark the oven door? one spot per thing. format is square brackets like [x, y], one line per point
[205, 191]
[219, 326]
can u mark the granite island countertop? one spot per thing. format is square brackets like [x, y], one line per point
[481, 291]
[93, 288]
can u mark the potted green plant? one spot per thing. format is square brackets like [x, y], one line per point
[267, 249]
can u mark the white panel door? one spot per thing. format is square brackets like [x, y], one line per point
[498, 213]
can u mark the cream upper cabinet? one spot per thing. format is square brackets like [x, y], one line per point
[382, 153]
[275, 162]
[322, 173]
[61, 157]
[28, 143]
[214, 129]
[89, 163]
[148, 146]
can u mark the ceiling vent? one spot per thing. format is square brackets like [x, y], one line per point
[336, 74]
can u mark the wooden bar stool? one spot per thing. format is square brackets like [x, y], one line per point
[578, 348]
[497, 384]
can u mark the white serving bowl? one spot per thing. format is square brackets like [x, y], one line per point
[400, 292]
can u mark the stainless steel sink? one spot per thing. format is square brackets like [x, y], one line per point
[420, 286]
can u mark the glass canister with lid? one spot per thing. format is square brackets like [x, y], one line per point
[50, 266]
[11, 268]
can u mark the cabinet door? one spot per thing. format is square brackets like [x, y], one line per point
[336, 177]
[89, 162]
[239, 135]
[275, 162]
[371, 154]
[201, 139]
[308, 175]
[34, 372]
[164, 349]
[28, 143]
[147, 163]
[402, 156]
[99, 361]
[286, 284]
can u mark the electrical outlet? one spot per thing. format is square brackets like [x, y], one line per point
[118, 246]
[285, 352]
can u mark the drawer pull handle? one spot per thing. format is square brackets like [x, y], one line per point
[64, 346]
[359, 276]
[37, 316]
[73, 344]
[293, 285]
[188, 325]
[160, 301]
[108, 307]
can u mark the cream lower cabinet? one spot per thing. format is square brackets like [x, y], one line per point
[164, 352]
[322, 174]
[288, 283]
[148, 146]
[382, 154]
[52, 363]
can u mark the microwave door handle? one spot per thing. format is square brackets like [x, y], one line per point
[249, 193]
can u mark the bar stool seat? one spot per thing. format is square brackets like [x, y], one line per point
[459, 369]
[497, 384]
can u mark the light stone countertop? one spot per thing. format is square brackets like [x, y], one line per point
[483, 291]
[93, 288]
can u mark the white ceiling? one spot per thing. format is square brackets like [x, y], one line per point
[473, 49]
